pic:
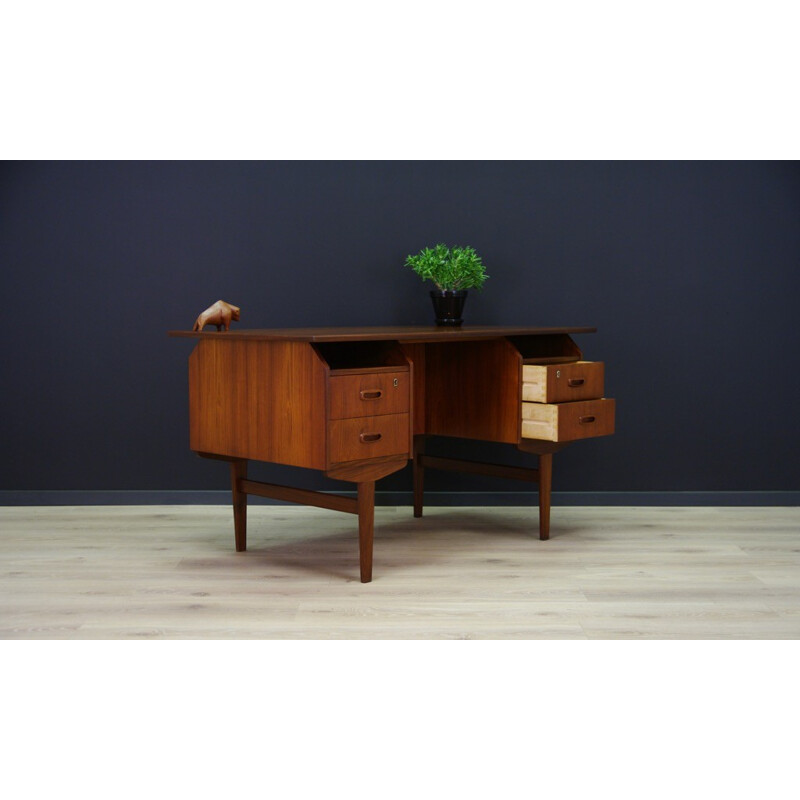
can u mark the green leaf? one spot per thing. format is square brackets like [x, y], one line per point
[450, 269]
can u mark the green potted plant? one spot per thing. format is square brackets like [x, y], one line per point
[453, 270]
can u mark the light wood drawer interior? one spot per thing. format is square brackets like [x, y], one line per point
[565, 422]
[369, 393]
[562, 383]
[357, 438]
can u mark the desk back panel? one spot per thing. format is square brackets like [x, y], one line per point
[472, 390]
[261, 400]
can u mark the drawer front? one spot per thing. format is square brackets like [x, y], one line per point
[369, 393]
[367, 437]
[562, 383]
[565, 422]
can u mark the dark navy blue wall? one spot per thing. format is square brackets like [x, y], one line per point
[690, 271]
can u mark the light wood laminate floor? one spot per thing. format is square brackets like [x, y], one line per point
[115, 572]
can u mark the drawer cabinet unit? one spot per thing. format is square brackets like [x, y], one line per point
[369, 414]
[563, 402]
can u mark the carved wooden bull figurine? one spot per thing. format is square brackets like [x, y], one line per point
[220, 314]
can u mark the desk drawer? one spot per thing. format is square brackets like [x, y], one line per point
[565, 422]
[368, 437]
[369, 393]
[562, 383]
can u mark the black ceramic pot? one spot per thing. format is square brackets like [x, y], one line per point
[448, 306]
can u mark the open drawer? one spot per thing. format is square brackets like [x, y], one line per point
[562, 383]
[566, 422]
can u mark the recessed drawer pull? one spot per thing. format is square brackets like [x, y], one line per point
[576, 381]
[366, 438]
[371, 395]
[584, 420]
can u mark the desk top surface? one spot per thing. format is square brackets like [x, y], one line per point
[404, 334]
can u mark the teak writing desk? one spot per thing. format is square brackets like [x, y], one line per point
[357, 403]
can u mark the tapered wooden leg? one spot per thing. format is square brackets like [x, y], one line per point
[239, 472]
[418, 474]
[545, 483]
[366, 527]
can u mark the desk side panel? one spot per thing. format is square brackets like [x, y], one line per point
[472, 390]
[415, 356]
[261, 400]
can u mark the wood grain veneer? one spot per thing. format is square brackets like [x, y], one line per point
[415, 355]
[473, 392]
[371, 469]
[399, 334]
[258, 400]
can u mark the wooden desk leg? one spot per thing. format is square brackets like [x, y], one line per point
[239, 472]
[418, 474]
[545, 483]
[366, 527]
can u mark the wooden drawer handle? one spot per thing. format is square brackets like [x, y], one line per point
[584, 420]
[371, 395]
[576, 381]
[366, 438]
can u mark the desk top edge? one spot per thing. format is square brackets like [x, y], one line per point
[405, 334]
